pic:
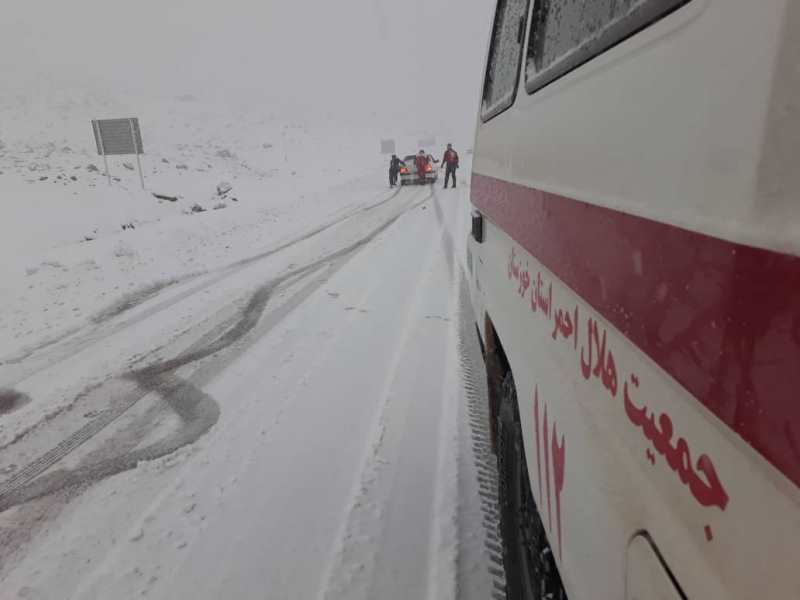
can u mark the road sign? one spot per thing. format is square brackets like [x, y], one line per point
[118, 136]
[387, 147]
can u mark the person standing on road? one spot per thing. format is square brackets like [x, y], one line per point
[421, 162]
[394, 169]
[450, 160]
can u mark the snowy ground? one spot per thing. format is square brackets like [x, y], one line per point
[72, 244]
[279, 399]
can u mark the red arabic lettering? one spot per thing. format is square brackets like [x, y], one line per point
[563, 324]
[597, 361]
[601, 352]
[547, 471]
[709, 492]
[601, 364]
[575, 338]
[591, 334]
[524, 282]
[554, 449]
[559, 459]
[610, 374]
[543, 302]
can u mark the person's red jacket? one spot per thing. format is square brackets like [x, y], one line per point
[421, 162]
[450, 158]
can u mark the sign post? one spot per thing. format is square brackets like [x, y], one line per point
[102, 150]
[118, 136]
[137, 147]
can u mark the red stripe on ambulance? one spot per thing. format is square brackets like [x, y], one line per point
[721, 318]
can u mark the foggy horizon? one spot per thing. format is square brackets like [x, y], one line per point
[419, 65]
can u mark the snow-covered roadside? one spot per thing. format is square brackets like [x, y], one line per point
[57, 376]
[331, 455]
[340, 459]
[480, 572]
[72, 246]
[67, 286]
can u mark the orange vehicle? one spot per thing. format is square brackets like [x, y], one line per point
[408, 171]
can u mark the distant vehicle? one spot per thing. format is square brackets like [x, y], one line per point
[408, 170]
[634, 265]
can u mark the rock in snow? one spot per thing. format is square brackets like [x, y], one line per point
[223, 188]
[165, 197]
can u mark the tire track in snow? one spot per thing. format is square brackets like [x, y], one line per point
[484, 460]
[401, 524]
[105, 327]
[137, 297]
[354, 561]
[476, 425]
[198, 411]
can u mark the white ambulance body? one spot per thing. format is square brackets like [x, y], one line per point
[635, 275]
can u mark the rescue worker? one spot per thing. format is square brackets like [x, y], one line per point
[394, 169]
[450, 160]
[421, 162]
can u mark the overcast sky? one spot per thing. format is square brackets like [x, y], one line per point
[349, 56]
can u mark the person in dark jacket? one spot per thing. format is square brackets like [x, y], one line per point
[394, 169]
[421, 162]
[450, 160]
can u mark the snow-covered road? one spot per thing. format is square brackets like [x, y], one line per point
[301, 423]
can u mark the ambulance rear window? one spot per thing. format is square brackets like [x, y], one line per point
[505, 57]
[564, 34]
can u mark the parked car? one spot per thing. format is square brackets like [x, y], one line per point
[408, 170]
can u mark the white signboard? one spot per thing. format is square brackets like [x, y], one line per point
[116, 137]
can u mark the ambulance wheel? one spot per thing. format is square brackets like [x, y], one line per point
[531, 572]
